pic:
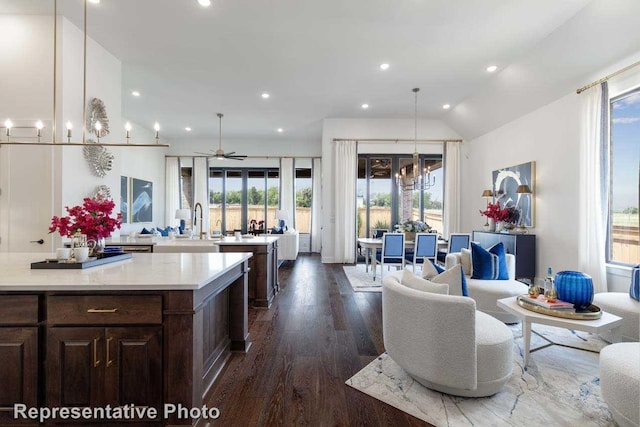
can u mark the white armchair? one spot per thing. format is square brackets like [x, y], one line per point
[443, 342]
[486, 293]
[288, 245]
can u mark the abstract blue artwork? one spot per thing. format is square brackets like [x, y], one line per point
[142, 197]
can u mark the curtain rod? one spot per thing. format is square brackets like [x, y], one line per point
[249, 157]
[397, 140]
[605, 78]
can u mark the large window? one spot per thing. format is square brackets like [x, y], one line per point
[624, 188]
[238, 196]
[304, 193]
[384, 200]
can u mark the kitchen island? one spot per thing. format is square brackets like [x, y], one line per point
[152, 330]
[263, 267]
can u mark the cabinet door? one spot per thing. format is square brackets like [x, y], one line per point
[18, 369]
[133, 367]
[75, 361]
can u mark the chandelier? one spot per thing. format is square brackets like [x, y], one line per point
[420, 178]
[94, 119]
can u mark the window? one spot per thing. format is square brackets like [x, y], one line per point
[624, 187]
[237, 196]
[304, 192]
[384, 200]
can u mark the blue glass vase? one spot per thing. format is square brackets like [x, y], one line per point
[576, 288]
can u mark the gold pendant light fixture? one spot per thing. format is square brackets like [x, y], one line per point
[421, 179]
[98, 127]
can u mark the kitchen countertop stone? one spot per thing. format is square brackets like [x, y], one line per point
[144, 271]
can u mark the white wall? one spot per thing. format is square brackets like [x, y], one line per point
[369, 129]
[104, 81]
[266, 147]
[550, 137]
[26, 85]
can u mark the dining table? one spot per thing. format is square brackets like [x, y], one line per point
[371, 245]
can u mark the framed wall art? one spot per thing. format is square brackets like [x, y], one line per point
[141, 200]
[505, 189]
[124, 198]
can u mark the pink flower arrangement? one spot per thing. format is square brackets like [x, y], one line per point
[508, 214]
[92, 218]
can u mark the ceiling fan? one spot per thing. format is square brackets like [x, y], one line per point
[219, 153]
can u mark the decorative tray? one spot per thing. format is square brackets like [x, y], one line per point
[591, 313]
[54, 264]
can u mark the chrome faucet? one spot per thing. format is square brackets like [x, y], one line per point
[195, 219]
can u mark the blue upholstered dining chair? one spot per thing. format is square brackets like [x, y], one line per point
[392, 251]
[457, 241]
[425, 246]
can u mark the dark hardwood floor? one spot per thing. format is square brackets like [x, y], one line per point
[316, 335]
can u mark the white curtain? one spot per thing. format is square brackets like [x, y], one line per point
[201, 192]
[316, 207]
[593, 192]
[451, 162]
[287, 200]
[346, 171]
[172, 190]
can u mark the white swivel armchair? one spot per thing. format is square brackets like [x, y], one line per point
[443, 342]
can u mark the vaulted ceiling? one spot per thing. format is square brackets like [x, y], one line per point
[320, 59]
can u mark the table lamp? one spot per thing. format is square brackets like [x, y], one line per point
[522, 189]
[487, 194]
[182, 215]
[283, 216]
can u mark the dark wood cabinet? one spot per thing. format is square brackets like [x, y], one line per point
[96, 348]
[523, 246]
[75, 367]
[263, 269]
[133, 366]
[18, 369]
[94, 366]
[19, 357]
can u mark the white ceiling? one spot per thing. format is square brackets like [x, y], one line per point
[319, 58]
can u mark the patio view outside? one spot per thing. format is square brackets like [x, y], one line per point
[624, 190]
[262, 186]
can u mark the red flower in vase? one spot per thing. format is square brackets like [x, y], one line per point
[508, 214]
[92, 218]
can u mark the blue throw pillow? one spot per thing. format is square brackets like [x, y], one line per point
[145, 231]
[634, 289]
[277, 230]
[489, 264]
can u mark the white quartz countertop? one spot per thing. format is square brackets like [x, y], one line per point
[181, 242]
[143, 272]
[256, 240]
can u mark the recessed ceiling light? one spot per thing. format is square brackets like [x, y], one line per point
[188, 129]
[94, 1]
[265, 95]
[384, 66]
[280, 130]
[135, 93]
[492, 68]
[365, 106]
[446, 106]
[204, 3]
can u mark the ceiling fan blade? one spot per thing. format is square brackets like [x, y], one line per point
[235, 155]
[206, 154]
[234, 158]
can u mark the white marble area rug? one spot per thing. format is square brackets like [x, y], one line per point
[559, 387]
[361, 280]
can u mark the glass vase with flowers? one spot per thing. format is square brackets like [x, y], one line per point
[92, 218]
[508, 216]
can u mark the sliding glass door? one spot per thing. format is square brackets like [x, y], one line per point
[388, 192]
[238, 196]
